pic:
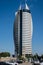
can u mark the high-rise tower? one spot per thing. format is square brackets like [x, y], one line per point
[23, 31]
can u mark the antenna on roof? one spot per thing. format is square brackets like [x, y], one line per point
[25, 2]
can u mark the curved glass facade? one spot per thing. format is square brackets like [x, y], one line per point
[23, 32]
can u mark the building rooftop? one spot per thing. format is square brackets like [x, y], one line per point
[24, 6]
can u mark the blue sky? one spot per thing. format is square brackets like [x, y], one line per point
[7, 17]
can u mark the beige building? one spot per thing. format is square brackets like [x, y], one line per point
[23, 29]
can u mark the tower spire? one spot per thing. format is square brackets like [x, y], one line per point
[23, 5]
[25, 2]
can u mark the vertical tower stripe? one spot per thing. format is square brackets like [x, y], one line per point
[20, 32]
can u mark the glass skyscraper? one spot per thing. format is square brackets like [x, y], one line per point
[23, 29]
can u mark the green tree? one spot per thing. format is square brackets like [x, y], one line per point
[19, 57]
[42, 56]
[4, 54]
[35, 56]
[28, 55]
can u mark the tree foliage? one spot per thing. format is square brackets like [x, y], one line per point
[4, 54]
[28, 55]
[42, 56]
